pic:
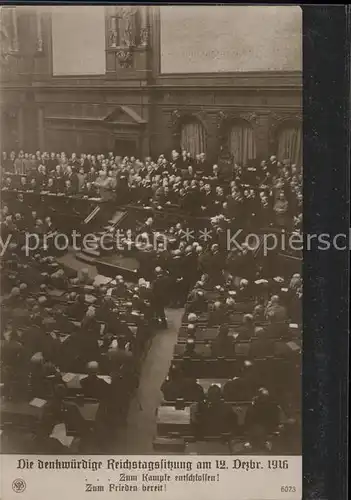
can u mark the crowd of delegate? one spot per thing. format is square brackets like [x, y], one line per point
[67, 340]
[236, 365]
[266, 193]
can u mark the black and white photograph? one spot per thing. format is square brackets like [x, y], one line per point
[151, 238]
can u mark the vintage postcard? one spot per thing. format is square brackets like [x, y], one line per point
[151, 252]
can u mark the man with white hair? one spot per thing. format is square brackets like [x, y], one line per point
[275, 312]
[84, 277]
[198, 303]
[218, 314]
[105, 185]
[148, 226]
[89, 324]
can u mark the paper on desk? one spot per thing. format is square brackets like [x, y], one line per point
[293, 346]
[293, 325]
[106, 378]
[101, 280]
[59, 433]
[37, 402]
[68, 377]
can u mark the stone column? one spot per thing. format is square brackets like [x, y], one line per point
[20, 127]
[15, 44]
[41, 129]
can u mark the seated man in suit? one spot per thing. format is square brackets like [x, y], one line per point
[213, 416]
[263, 412]
[258, 314]
[78, 350]
[218, 314]
[120, 288]
[275, 312]
[247, 330]
[192, 390]
[172, 387]
[230, 306]
[222, 345]
[60, 411]
[59, 279]
[190, 349]
[92, 385]
[44, 376]
[243, 387]
[78, 308]
[275, 330]
[234, 389]
[243, 293]
[191, 331]
[198, 304]
[89, 323]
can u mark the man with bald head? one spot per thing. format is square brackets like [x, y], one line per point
[92, 385]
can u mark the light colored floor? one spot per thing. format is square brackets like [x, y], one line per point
[138, 435]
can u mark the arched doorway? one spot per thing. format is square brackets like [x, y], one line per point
[192, 136]
[289, 142]
[241, 142]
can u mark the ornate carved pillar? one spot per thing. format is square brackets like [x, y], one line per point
[39, 42]
[113, 36]
[15, 43]
[144, 26]
[126, 26]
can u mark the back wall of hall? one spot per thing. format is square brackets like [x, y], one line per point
[130, 103]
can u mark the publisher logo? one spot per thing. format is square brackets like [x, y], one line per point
[19, 485]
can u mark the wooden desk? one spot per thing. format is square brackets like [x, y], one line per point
[202, 349]
[87, 410]
[209, 367]
[207, 382]
[72, 380]
[21, 413]
[178, 422]
[206, 334]
[169, 420]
